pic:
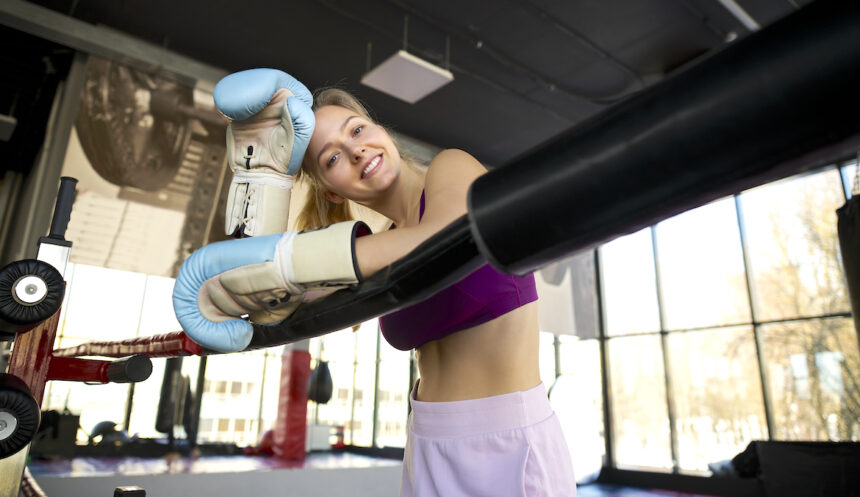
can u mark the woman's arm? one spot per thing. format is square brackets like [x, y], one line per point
[445, 189]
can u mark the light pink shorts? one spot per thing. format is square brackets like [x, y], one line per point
[506, 445]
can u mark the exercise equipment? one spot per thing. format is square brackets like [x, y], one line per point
[146, 155]
[106, 432]
[32, 290]
[175, 403]
[848, 227]
[320, 383]
[19, 415]
[31, 293]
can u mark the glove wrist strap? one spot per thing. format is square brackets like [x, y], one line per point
[323, 258]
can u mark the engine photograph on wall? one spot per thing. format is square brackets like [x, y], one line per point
[149, 154]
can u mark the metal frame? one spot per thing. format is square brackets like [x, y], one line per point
[33, 214]
[33, 359]
[664, 347]
[602, 340]
[752, 300]
[373, 430]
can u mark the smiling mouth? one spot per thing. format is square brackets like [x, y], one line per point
[371, 166]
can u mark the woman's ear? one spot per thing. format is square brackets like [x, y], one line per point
[333, 197]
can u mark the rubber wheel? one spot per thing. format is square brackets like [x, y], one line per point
[19, 415]
[16, 313]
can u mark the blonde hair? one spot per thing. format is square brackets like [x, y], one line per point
[318, 210]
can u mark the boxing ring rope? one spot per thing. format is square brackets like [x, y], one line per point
[175, 344]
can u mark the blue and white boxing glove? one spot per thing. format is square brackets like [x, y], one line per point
[265, 277]
[271, 125]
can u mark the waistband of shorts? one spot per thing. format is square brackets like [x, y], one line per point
[477, 416]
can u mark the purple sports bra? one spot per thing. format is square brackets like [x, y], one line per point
[480, 297]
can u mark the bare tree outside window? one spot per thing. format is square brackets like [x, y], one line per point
[812, 365]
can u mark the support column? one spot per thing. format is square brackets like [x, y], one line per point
[292, 424]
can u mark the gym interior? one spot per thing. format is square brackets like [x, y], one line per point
[688, 170]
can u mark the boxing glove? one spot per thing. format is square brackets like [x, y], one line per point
[265, 277]
[271, 125]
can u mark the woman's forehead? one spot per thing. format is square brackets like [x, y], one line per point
[333, 112]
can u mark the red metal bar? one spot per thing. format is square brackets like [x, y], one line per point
[173, 344]
[73, 369]
[31, 355]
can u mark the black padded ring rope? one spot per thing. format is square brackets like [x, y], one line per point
[16, 316]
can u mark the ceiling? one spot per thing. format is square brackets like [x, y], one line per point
[524, 70]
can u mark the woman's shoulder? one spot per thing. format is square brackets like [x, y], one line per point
[453, 166]
[447, 183]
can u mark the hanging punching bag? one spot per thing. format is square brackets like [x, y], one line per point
[166, 413]
[848, 226]
[320, 384]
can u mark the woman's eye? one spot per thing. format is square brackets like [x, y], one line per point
[357, 130]
[332, 160]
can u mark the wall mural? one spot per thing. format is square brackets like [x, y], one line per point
[149, 155]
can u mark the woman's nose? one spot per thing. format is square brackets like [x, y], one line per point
[358, 152]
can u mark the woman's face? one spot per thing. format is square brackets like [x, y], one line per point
[356, 157]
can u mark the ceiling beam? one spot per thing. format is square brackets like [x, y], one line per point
[108, 43]
[740, 14]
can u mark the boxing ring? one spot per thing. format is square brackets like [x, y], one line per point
[776, 103]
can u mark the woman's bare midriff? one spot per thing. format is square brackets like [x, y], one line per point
[494, 358]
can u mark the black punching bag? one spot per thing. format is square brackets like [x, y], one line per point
[848, 225]
[169, 401]
[319, 384]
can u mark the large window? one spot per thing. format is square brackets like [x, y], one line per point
[629, 285]
[230, 408]
[741, 312]
[813, 370]
[851, 178]
[393, 392]
[339, 350]
[364, 381]
[754, 323]
[793, 248]
[701, 268]
[638, 393]
[370, 387]
[577, 398]
[716, 393]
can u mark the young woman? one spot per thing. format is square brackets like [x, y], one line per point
[481, 423]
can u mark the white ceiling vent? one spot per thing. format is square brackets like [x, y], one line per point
[407, 77]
